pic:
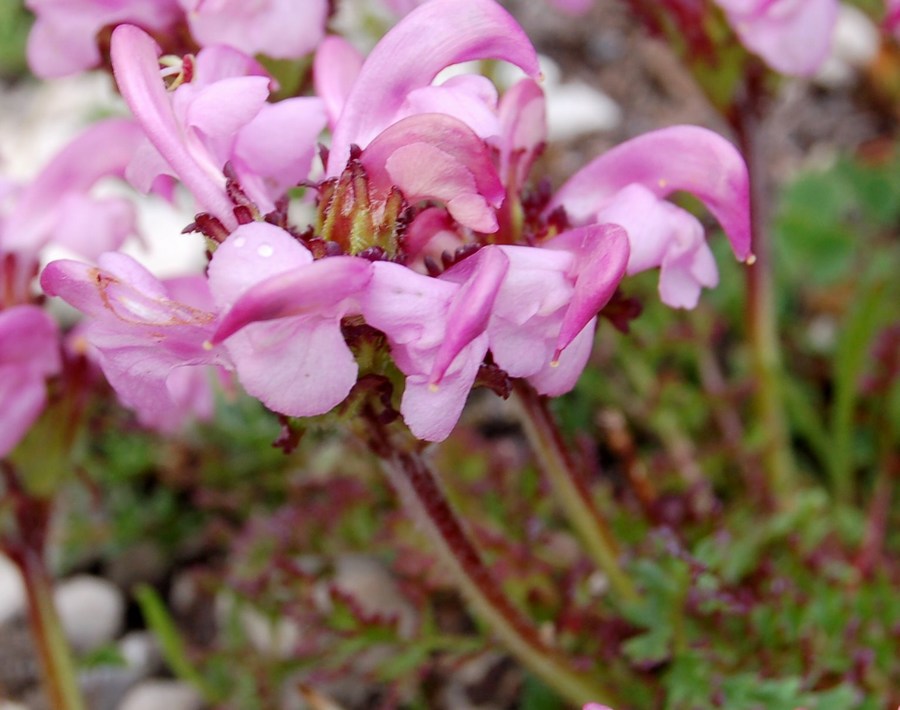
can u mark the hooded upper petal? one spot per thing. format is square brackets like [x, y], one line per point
[136, 68]
[687, 158]
[433, 36]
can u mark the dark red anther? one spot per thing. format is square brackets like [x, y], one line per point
[431, 266]
[187, 68]
[209, 226]
[243, 214]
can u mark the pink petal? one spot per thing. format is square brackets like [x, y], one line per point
[90, 227]
[139, 333]
[29, 340]
[601, 253]
[223, 107]
[687, 158]
[283, 318]
[219, 62]
[312, 289]
[134, 306]
[252, 254]
[663, 235]
[433, 36]
[480, 276]
[284, 162]
[431, 230]
[432, 156]
[283, 29]
[410, 308]
[29, 352]
[134, 57]
[298, 366]
[470, 98]
[561, 374]
[24, 394]
[792, 36]
[45, 209]
[63, 39]
[523, 116]
[335, 70]
[431, 411]
[528, 310]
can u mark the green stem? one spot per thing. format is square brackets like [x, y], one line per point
[570, 488]
[423, 498]
[60, 680]
[25, 547]
[761, 315]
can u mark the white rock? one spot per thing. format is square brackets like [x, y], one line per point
[275, 637]
[90, 610]
[12, 593]
[854, 46]
[372, 587]
[161, 695]
[573, 107]
[140, 650]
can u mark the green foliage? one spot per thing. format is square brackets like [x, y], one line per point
[15, 23]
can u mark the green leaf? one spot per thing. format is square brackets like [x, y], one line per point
[160, 622]
[537, 696]
[861, 325]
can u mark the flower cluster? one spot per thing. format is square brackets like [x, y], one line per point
[426, 230]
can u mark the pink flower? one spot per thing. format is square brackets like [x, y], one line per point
[56, 206]
[146, 334]
[627, 184]
[551, 299]
[281, 322]
[792, 36]
[436, 330]
[396, 80]
[220, 116]
[388, 106]
[64, 37]
[283, 29]
[29, 353]
[892, 17]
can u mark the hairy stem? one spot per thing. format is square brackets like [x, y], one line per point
[423, 498]
[571, 489]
